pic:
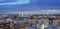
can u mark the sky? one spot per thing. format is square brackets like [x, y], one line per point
[28, 5]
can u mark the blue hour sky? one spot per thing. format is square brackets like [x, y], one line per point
[28, 5]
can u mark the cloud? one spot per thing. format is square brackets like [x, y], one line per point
[2, 0]
[18, 2]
